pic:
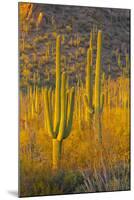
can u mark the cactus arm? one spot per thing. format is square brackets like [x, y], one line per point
[89, 78]
[58, 85]
[70, 114]
[102, 103]
[50, 102]
[66, 104]
[89, 88]
[102, 95]
[88, 72]
[53, 103]
[63, 108]
[88, 107]
[49, 123]
[91, 46]
[91, 40]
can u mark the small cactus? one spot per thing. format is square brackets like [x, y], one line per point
[39, 19]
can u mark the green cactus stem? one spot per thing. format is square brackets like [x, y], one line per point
[89, 87]
[99, 98]
[98, 73]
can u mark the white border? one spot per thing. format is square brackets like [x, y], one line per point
[9, 97]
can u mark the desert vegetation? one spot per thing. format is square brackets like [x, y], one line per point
[74, 101]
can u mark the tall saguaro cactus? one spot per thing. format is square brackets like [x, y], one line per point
[97, 108]
[64, 106]
[99, 97]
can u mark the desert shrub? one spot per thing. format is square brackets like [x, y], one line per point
[113, 178]
[49, 182]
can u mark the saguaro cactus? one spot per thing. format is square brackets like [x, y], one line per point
[99, 97]
[64, 106]
[88, 98]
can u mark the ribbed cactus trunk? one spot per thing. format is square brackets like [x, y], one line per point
[56, 153]
[98, 96]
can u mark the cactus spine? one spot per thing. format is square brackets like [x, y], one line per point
[64, 106]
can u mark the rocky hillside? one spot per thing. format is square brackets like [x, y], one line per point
[41, 22]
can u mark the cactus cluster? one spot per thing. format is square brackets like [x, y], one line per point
[60, 106]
